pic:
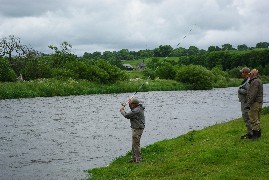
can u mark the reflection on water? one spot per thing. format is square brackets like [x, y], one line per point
[60, 137]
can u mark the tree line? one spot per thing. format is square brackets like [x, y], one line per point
[165, 50]
[17, 58]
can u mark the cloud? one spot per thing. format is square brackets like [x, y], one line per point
[134, 24]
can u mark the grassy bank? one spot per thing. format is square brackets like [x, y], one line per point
[216, 152]
[53, 87]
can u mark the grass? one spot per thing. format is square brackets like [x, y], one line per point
[147, 60]
[216, 152]
[137, 82]
[53, 87]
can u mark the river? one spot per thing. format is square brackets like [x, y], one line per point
[60, 137]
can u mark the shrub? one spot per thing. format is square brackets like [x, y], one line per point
[220, 78]
[195, 75]
[265, 110]
[266, 70]
[166, 71]
[7, 74]
[114, 73]
[235, 72]
[63, 73]
[99, 71]
[149, 73]
[35, 68]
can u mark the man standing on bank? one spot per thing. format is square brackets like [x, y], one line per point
[242, 95]
[254, 102]
[137, 120]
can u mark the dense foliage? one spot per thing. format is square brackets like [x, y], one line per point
[256, 58]
[6, 72]
[199, 77]
[200, 69]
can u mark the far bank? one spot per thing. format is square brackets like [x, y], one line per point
[54, 87]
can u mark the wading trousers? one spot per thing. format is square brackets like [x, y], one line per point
[246, 117]
[254, 115]
[136, 151]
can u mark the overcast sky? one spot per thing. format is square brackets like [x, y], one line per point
[112, 25]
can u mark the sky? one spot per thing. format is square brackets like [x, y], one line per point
[112, 25]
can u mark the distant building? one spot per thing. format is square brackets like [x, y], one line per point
[141, 66]
[128, 66]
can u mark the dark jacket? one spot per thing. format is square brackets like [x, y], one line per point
[255, 92]
[136, 116]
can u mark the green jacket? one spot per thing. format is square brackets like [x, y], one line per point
[255, 92]
[136, 116]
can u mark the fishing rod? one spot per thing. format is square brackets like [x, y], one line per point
[125, 103]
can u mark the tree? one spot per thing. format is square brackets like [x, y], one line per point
[96, 55]
[211, 48]
[180, 52]
[242, 47]
[227, 47]
[123, 54]
[163, 51]
[193, 51]
[65, 48]
[6, 72]
[62, 55]
[108, 55]
[10, 45]
[262, 45]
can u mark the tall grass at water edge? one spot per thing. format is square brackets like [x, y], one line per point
[53, 87]
[216, 152]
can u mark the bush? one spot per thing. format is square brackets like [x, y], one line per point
[7, 74]
[265, 110]
[99, 71]
[166, 71]
[63, 73]
[235, 72]
[149, 73]
[35, 68]
[114, 73]
[221, 78]
[83, 70]
[266, 70]
[195, 75]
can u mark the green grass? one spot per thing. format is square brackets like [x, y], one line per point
[216, 152]
[135, 74]
[53, 87]
[147, 60]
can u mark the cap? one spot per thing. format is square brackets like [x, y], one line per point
[245, 69]
[254, 73]
[134, 101]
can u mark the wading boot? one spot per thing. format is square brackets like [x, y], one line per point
[259, 133]
[255, 135]
[247, 136]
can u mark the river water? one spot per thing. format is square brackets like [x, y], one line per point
[60, 137]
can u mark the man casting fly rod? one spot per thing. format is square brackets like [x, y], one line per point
[137, 120]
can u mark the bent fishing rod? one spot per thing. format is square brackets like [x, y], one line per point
[140, 87]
